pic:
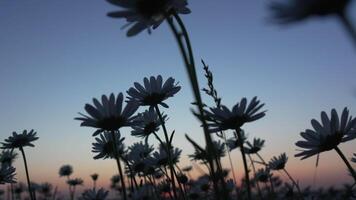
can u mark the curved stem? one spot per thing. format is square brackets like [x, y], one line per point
[169, 152]
[295, 183]
[351, 170]
[27, 174]
[119, 166]
[348, 26]
[244, 162]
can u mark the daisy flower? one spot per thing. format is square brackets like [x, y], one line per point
[20, 140]
[92, 194]
[153, 92]
[7, 157]
[148, 122]
[160, 157]
[328, 134]
[263, 175]
[7, 174]
[218, 150]
[139, 157]
[104, 146]
[143, 14]
[65, 170]
[255, 147]
[94, 176]
[278, 163]
[221, 118]
[109, 114]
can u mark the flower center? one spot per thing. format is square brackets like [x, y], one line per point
[111, 123]
[150, 128]
[151, 8]
[331, 141]
[153, 99]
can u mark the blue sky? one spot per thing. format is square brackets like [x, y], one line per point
[57, 55]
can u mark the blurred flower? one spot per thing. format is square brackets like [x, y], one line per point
[263, 175]
[65, 170]
[34, 186]
[7, 174]
[298, 10]
[354, 158]
[46, 189]
[20, 140]
[108, 115]
[327, 135]
[145, 14]
[153, 92]
[218, 150]
[74, 182]
[92, 194]
[104, 145]
[139, 156]
[94, 176]
[255, 147]
[147, 123]
[222, 118]
[143, 193]
[160, 157]
[278, 163]
[115, 179]
[19, 188]
[7, 157]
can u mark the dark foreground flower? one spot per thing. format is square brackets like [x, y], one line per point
[144, 14]
[104, 145]
[278, 163]
[20, 140]
[92, 194]
[298, 10]
[222, 118]
[65, 170]
[147, 123]
[7, 174]
[153, 92]
[7, 157]
[108, 114]
[328, 134]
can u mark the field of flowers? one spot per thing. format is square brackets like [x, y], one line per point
[148, 172]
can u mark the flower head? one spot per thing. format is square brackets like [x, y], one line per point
[139, 157]
[147, 123]
[234, 142]
[94, 176]
[160, 157]
[144, 14]
[263, 175]
[298, 10]
[75, 182]
[221, 118]
[104, 145]
[218, 150]
[278, 163]
[7, 174]
[255, 147]
[92, 194]
[108, 114]
[45, 189]
[7, 157]
[328, 134]
[153, 92]
[65, 170]
[20, 140]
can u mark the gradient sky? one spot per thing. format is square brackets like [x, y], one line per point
[57, 55]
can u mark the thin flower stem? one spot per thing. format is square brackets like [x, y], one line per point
[254, 172]
[244, 162]
[195, 87]
[27, 174]
[270, 178]
[171, 167]
[119, 166]
[295, 183]
[351, 170]
[348, 26]
[230, 160]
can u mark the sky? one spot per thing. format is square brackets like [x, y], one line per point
[57, 55]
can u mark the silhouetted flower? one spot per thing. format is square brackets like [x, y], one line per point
[46, 189]
[153, 92]
[298, 10]
[115, 179]
[139, 156]
[7, 157]
[94, 176]
[222, 118]
[104, 145]
[218, 150]
[7, 174]
[74, 182]
[327, 135]
[263, 175]
[145, 14]
[147, 123]
[278, 163]
[92, 194]
[108, 115]
[234, 142]
[354, 158]
[255, 147]
[160, 157]
[20, 140]
[65, 170]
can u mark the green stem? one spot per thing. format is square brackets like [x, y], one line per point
[239, 137]
[119, 166]
[351, 170]
[169, 152]
[27, 174]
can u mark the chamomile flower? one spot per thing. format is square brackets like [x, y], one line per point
[160, 157]
[278, 163]
[104, 145]
[221, 118]
[143, 14]
[65, 170]
[153, 92]
[7, 157]
[328, 134]
[109, 114]
[93, 194]
[139, 157]
[263, 175]
[7, 174]
[255, 147]
[94, 176]
[147, 123]
[20, 140]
